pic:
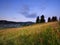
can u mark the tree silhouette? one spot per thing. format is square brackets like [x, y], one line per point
[42, 19]
[54, 18]
[37, 20]
[49, 19]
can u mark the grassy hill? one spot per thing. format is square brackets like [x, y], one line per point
[38, 34]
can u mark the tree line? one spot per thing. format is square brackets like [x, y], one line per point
[42, 19]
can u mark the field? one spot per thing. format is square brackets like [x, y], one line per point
[37, 34]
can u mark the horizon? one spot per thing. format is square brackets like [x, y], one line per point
[28, 10]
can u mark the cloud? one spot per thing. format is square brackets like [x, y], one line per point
[25, 11]
[32, 15]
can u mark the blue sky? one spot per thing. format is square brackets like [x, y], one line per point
[28, 10]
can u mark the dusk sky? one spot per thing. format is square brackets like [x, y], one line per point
[28, 10]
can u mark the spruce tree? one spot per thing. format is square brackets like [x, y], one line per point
[49, 19]
[37, 19]
[54, 18]
[42, 19]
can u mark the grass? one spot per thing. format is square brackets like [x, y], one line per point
[38, 34]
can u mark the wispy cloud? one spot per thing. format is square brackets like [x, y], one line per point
[25, 11]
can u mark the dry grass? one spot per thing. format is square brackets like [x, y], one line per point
[31, 35]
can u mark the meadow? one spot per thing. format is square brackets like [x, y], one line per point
[37, 34]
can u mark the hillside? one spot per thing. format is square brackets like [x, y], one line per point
[38, 34]
[12, 24]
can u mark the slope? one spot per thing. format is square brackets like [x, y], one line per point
[38, 34]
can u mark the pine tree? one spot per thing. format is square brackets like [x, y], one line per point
[49, 19]
[37, 20]
[42, 19]
[54, 18]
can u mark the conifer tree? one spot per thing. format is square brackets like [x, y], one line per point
[49, 19]
[37, 20]
[42, 19]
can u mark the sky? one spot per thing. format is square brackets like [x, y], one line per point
[28, 10]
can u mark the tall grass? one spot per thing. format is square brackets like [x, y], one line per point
[50, 36]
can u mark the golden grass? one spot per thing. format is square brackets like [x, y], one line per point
[26, 30]
[12, 33]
